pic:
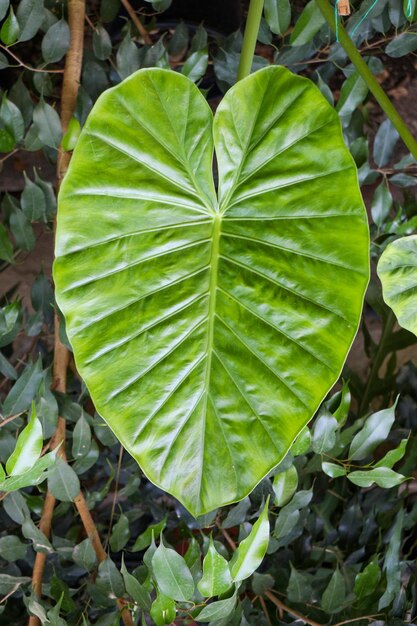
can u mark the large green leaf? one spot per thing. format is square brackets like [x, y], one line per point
[209, 327]
[397, 269]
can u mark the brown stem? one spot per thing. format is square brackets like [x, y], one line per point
[283, 607]
[28, 67]
[140, 27]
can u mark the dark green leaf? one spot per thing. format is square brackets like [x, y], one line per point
[375, 431]
[334, 594]
[63, 482]
[278, 15]
[24, 390]
[137, 592]
[30, 14]
[120, 534]
[385, 141]
[101, 43]
[218, 610]
[56, 42]
[172, 574]
[48, 124]
[307, 25]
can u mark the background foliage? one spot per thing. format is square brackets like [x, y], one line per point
[342, 517]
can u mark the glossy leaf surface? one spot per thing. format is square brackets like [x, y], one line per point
[397, 270]
[209, 327]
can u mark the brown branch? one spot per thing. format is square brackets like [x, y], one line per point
[28, 67]
[70, 87]
[283, 607]
[140, 27]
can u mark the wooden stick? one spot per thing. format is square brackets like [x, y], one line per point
[140, 27]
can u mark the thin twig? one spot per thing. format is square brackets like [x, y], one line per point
[140, 27]
[283, 607]
[116, 491]
[28, 67]
[9, 419]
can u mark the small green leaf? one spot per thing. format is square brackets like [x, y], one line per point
[218, 610]
[284, 485]
[353, 93]
[84, 554]
[334, 594]
[6, 246]
[101, 43]
[109, 579]
[385, 141]
[333, 470]
[73, 132]
[374, 432]
[81, 438]
[12, 549]
[251, 551]
[299, 586]
[34, 476]
[393, 456]
[22, 230]
[381, 476]
[163, 609]
[307, 25]
[4, 5]
[12, 119]
[120, 534]
[28, 447]
[32, 201]
[402, 45]
[302, 443]
[137, 592]
[48, 124]
[30, 14]
[381, 204]
[172, 574]
[324, 432]
[56, 42]
[7, 141]
[196, 65]
[278, 15]
[145, 538]
[127, 57]
[216, 573]
[10, 30]
[367, 580]
[63, 482]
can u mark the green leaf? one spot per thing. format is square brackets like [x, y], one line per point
[393, 456]
[324, 432]
[48, 124]
[101, 43]
[196, 65]
[374, 432]
[284, 485]
[397, 270]
[334, 594]
[353, 93]
[120, 534]
[32, 201]
[6, 246]
[163, 609]
[71, 136]
[12, 549]
[252, 550]
[333, 470]
[217, 610]
[172, 574]
[24, 390]
[63, 482]
[34, 476]
[384, 144]
[109, 579]
[381, 204]
[56, 42]
[144, 539]
[216, 574]
[278, 15]
[367, 581]
[402, 45]
[299, 586]
[22, 230]
[128, 57]
[10, 30]
[240, 303]
[307, 25]
[40, 542]
[28, 447]
[7, 141]
[84, 554]
[81, 438]
[12, 119]
[137, 592]
[4, 5]
[381, 476]
[302, 443]
[30, 14]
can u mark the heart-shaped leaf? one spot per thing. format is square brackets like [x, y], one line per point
[209, 327]
[397, 269]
